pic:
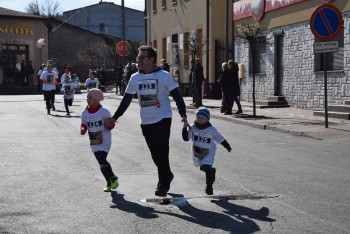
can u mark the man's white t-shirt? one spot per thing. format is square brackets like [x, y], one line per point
[100, 137]
[49, 79]
[153, 94]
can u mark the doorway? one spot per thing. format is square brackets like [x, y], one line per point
[278, 65]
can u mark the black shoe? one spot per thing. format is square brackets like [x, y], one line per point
[48, 111]
[209, 190]
[162, 190]
[239, 112]
[53, 108]
[228, 113]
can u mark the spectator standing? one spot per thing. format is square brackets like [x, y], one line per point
[198, 78]
[236, 92]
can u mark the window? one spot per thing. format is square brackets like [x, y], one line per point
[335, 60]
[164, 46]
[259, 56]
[185, 46]
[163, 4]
[154, 4]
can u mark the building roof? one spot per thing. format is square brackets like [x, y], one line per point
[110, 3]
[12, 13]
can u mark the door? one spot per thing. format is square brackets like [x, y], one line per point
[278, 66]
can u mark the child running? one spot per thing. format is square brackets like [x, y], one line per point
[204, 137]
[93, 120]
[68, 89]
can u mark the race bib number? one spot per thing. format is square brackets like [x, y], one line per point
[201, 144]
[148, 93]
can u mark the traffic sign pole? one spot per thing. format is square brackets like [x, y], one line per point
[326, 23]
[325, 90]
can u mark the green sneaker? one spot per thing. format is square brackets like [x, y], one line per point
[108, 187]
[114, 182]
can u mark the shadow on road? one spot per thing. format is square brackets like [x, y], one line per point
[236, 218]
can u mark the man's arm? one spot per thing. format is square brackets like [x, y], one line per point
[175, 93]
[124, 104]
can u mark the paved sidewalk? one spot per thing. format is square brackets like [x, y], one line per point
[288, 120]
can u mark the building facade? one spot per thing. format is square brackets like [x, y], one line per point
[23, 38]
[105, 17]
[171, 24]
[288, 65]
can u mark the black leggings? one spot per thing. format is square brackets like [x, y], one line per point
[67, 102]
[157, 138]
[105, 167]
[50, 98]
[209, 174]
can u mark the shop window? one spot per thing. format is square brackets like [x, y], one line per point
[259, 55]
[335, 60]
[186, 52]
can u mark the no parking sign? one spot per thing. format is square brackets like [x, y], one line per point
[326, 22]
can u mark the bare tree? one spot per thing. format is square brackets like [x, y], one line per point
[255, 36]
[50, 8]
[194, 45]
[90, 52]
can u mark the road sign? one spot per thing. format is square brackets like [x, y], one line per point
[123, 48]
[326, 47]
[326, 22]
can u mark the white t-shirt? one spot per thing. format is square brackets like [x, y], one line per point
[100, 137]
[153, 95]
[49, 79]
[203, 145]
[68, 90]
[89, 83]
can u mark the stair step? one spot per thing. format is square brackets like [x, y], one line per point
[276, 98]
[271, 103]
[337, 115]
[339, 108]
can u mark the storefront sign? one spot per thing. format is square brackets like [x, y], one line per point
[243, 9]
[19, 29]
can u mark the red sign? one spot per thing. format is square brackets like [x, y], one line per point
[123, 48]
[326, 22]
[243, 8]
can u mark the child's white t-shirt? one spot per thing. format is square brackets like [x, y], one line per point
[203, 145]
[153, 94]
[68, 90]
[100, 137]
[91, 83]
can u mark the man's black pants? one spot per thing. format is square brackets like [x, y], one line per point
[157, 138]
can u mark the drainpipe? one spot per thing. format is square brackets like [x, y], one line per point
[207, 53]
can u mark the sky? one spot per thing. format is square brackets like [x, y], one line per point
[66, 5]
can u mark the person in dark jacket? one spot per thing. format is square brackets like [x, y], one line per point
[236, 92]
[198, 78]
[226, 81]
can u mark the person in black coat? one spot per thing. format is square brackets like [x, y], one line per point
[226, 81]
[236, 91]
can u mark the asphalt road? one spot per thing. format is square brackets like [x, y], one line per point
[51, 183]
